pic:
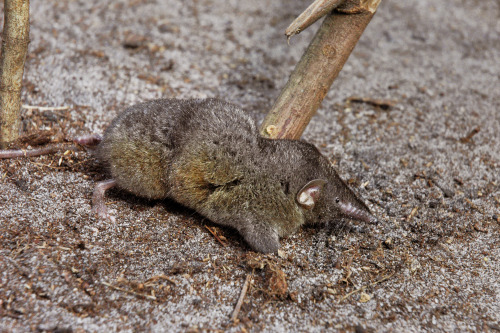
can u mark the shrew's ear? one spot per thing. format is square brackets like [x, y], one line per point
[310, 193]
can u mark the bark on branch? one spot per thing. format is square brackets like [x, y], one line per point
[15, 40]
[319, 66]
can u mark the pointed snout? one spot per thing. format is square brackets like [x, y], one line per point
[358, 213]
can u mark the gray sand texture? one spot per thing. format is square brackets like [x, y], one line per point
[428, 167]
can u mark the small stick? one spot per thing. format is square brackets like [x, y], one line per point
[364, 287]
[237, 308]
[215, 235]
[474, 206]
[151, 297]
[383, 103]
[35, 152]
[314, 12]
[352, 293]
[45, 108]
[412, 213]
[161, 277]
[88, 141]
[470, 135]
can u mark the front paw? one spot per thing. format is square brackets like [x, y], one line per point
[261, 239]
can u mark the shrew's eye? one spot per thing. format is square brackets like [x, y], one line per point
[286, 187]
[337, 200]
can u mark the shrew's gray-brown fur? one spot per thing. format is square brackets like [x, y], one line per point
[208, 155]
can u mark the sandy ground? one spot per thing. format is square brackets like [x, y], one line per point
[428, 167]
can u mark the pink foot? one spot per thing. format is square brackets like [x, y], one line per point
[98, 205]
[91, 140]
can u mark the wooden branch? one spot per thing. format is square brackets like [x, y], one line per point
[314, 12]
[316, 70]
[15, 42]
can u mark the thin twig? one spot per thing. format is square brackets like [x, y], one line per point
[48, 166]
[314, 12]
[151, 297]
[470, 135]
[14, 153]
[473, 205]
[161, 277]
[412, 213]
[364, 287]
[352, 293]
[244, 290]
[45, 108]
[215, 235]
[382, 103]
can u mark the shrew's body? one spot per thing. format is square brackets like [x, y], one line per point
[207, 155]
